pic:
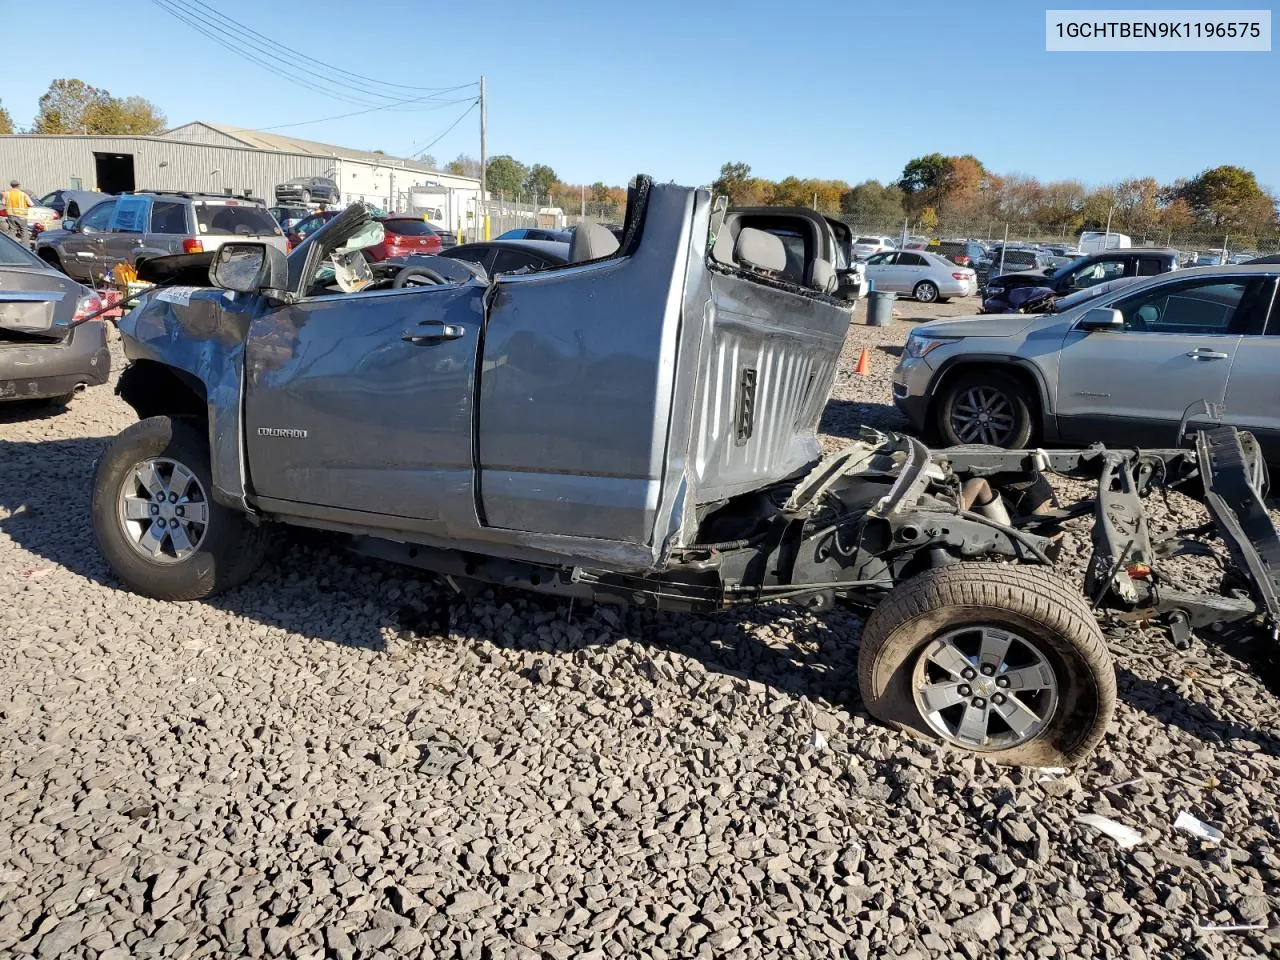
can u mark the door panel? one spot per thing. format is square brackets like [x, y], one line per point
[1253, 394]
[1176, 349]
[342, 411]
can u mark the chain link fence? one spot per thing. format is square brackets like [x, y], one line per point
[993, 231]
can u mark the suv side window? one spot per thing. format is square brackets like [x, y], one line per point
[1149, 267]
[96, 220]
[131, 215]
[912, 260]
[169, 217]
[1210, 306]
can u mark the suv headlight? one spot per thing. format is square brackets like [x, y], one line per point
[918, 346]
[992, 291]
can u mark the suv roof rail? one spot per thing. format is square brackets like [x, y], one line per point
[194, 194]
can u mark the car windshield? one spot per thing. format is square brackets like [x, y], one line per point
[871, 241]
[223, 220]
[13, 254]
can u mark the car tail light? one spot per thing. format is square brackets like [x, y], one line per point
[192, 245]
[86, 306]
[960, 276]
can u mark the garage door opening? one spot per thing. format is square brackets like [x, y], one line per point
[114, 171]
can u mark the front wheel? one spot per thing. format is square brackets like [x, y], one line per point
[1000, 660]
[156, 522]
[926, 291]
[986, 407]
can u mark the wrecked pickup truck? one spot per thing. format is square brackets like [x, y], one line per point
[639, 426]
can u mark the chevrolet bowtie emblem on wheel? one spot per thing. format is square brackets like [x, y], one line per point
[289, 432]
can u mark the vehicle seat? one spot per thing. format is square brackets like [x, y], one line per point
[824, 276]
[760, 251]
[591, 242]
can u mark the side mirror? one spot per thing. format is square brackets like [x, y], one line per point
[69, 223]
[1102, 318]
[249, 267]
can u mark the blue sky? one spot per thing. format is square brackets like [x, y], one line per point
[599, 91]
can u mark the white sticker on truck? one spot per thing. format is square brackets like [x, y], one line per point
[178, 295]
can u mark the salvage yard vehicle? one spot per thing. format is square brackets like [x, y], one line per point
[1121, 367]
[133, 228]
[639, 426]
[928, 277]
[1087, 271]
[47, 349]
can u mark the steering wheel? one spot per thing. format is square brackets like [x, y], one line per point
[416, 277]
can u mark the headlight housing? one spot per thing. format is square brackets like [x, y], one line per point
[992, 291]
[920, 346]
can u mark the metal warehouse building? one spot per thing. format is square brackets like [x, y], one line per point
[212, 158]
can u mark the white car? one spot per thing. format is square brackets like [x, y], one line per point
[864, 247]
[925, 276]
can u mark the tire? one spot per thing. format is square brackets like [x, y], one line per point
[1044, 613]
[225, 550]
[993, 394]
[306, 196]
[926, 291]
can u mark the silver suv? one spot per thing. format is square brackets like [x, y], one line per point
[141, 226]
[1120, 363]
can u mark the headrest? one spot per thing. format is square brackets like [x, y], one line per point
[761, 250]
[591, 242]
[824, 276]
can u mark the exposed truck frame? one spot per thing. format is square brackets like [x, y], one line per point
[682, 474]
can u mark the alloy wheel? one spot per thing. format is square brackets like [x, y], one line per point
[163, 510]
[983, 415]
[984, 688]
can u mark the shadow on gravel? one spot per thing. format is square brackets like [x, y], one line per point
[25, 411]
[1160, 700]
[841, 418]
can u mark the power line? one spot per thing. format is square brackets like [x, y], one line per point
[474, 103]
[355, 113]
[264, 54]
[306, 56]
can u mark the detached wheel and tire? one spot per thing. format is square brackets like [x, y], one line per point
[926, 291]
[985, 407]
[1000, 660]
[156, 522]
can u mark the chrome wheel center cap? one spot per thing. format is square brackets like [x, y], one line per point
[983, 686]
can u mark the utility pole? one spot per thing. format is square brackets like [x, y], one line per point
[583, 215]
[484, 205]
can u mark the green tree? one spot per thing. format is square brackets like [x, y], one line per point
[6, 121]
[1229, 198]
[598, 192]
[132, 116]
[924, 173]
[62, 107]
[540, 179]
[873, 204]
[505, 176]
[734, 182]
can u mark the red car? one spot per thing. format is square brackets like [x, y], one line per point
[405, 234]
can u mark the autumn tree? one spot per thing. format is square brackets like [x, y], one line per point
[463, 165]
[73, 106]
[6, 121]
[928, 220]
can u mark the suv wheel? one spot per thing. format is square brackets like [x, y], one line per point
[1002, 660]
[926, 291]
[157, 525]
[985, 407]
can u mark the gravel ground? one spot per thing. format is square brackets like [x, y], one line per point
[336, 760]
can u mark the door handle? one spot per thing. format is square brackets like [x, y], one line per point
[433, 331]
[1203, 353]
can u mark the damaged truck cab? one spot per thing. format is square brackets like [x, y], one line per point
[637, 426]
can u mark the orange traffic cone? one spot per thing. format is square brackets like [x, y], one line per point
[864, 363]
